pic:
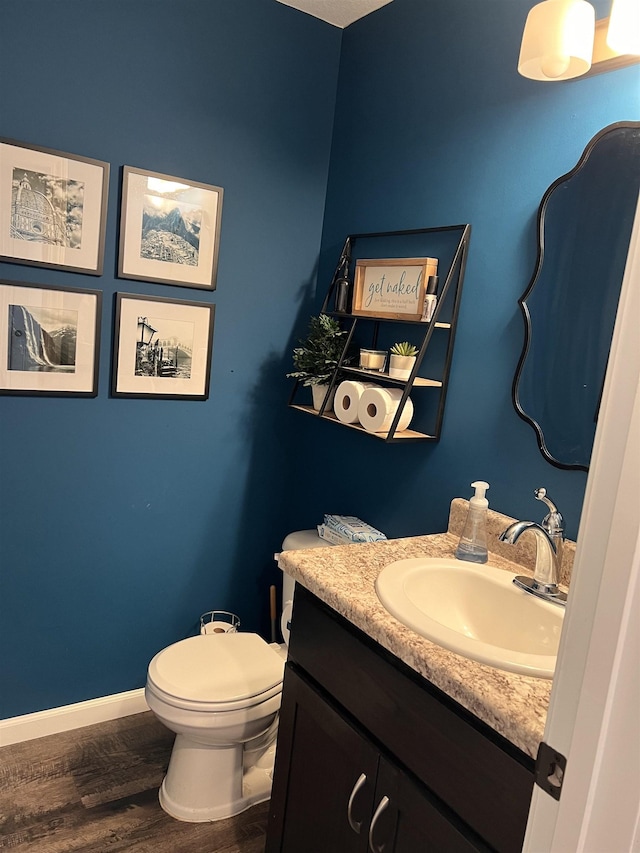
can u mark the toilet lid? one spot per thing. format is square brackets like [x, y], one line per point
[217, 668]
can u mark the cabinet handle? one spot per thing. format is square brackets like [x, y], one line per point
[384, 802]
[355, 824]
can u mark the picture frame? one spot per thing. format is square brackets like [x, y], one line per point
[161, 347]
[49, 340]
[53, 208]
[391, 288]
[169, 229]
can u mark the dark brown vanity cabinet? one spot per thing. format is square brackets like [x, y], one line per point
[343, 793]
[373, 758]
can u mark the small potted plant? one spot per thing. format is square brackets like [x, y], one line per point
[317, 357]
[402, 360]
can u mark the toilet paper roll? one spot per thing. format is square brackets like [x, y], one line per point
[377, 409]
[345, 405]
[217, 627]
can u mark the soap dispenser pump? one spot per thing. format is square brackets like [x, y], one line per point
[473, 542]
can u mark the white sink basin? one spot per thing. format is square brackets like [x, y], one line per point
[475, 611]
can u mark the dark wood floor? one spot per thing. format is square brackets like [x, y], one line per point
[95, 790]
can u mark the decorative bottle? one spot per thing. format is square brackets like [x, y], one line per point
[430, 298]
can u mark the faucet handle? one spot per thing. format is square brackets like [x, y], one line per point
[553, 522]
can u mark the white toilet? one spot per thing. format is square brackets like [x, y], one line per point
[220, 694]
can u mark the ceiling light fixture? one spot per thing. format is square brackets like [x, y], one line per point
[562, 39]
[623, 35]
[558, 40]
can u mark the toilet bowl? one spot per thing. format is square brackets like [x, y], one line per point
[217, 693]
[220, 694]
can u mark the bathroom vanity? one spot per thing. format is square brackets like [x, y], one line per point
[388, 742]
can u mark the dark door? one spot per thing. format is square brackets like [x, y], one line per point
[407, 819]
[324, 777]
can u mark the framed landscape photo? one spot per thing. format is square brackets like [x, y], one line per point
[161, 348]
[49, 340]
[53, 208]
[169, 229]
[392, 288]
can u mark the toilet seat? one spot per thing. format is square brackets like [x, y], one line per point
[216, 672]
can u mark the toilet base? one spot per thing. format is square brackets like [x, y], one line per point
[205, 784]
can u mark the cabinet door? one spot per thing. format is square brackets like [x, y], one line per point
[324, 777]
[407, 820]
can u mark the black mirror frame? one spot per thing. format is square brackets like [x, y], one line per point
[522, 301]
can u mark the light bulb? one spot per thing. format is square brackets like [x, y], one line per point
[554, 65]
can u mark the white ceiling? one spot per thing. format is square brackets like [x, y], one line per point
[340, 13]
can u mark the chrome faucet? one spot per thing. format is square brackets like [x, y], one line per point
[549, 545]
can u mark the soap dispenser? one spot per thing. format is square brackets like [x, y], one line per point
[473, 542]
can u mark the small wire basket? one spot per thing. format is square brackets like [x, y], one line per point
[219, 622]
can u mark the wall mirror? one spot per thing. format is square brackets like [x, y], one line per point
[584, 224]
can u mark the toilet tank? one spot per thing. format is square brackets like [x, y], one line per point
[295, 541]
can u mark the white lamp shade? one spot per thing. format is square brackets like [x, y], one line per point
[557, 43]
[623, 34]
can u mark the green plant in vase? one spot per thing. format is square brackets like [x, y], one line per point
[403, 358]
[404, 348]
[316, 357]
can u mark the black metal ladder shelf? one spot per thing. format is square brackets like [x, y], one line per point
[442, 323]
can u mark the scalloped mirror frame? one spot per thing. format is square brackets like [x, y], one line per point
[522, 301]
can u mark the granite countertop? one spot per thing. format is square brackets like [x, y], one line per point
[343, 576]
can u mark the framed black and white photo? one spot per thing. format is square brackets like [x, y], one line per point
[169, 229]
[49, 340]
[162, 348]
[53, 208]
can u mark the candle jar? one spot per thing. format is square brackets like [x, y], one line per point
[373, 359]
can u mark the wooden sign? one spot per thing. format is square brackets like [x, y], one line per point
[392, 288]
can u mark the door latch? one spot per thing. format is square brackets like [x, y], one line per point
[550, 769]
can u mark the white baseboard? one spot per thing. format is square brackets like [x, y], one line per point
[68, 717]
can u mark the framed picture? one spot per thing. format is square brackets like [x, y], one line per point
[49, 340]
[53, 208]
[162, 348]
[169, 229]
[392, 288]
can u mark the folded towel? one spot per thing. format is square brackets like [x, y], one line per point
[349, 529]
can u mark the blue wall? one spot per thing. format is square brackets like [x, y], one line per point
[435, 127]
[122, 520]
